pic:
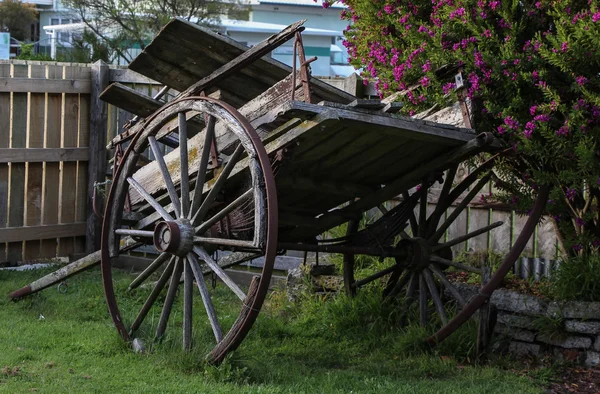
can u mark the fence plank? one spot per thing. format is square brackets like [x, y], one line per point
[35, 170]
[519, 222]
[51, 169]
[546, 237]
[96, 130]
[18, 138]
[5, 115]
[68, 181]
[30, 233]
[40, 155]
[42, 85]
[501, 235]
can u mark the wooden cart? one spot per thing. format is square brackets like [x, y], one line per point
[294, 160]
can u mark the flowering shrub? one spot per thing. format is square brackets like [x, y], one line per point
[532, 69]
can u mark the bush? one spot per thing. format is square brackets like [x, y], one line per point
[578, 278]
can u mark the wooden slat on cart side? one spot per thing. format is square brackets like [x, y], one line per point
[175, 58]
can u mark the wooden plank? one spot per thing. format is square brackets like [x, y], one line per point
[5, 115]
[83, 170]
[35, 140]
[68, 175]
[546, 236]
[52, 140]
[479, 218]
[40, 155]
[42, 85]
[51, 231]
[130, 100]
[96, 112]
[18, 139]
[184, 41]
[519, 222]
[500, 236]
[124, 75]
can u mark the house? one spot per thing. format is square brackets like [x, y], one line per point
[53, 12]
[333, 57]
[322, 37]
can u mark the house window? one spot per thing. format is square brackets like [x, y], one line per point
[55, 21]
[64, 36]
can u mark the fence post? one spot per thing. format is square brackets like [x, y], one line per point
[97, 154]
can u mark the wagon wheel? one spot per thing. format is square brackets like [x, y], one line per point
[423, 275]
[236, 210]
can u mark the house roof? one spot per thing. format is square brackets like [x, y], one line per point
[271, 28]
[310, 3]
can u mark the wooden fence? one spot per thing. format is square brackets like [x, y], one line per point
[53, 134]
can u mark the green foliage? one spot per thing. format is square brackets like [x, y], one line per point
[16, 18]
[531, 70]
[578, 278]
[27, 53]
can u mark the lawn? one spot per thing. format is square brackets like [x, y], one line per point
[59, 343]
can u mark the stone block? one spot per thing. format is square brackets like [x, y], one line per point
[514, 333]
[524, 349]
[508, 300]
[592, 359]
[582, 327]
[570, 342]
[574, 310]
[519, 321]
[569, 355]
[597, 344]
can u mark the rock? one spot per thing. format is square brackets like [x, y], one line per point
[568, 355]
[138, 346]
[582, 327]
[574, 310]
[592, 359]
[514, 333]
[597, 344]
[508, 300]
[296, 283]
[467, 291]
[524, 349]
[571, 342]
[516, 320]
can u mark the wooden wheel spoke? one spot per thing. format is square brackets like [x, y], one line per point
[463, 204]
[203, 165]
[435, 295]
[218, 185]
[448, 285]
[223, 212]
[170, 299]
[414, 226]
[155, 204]
[451, 263]
[187, 304]
[162, 281]
[441, 202]
[466, 237]
[165, 174]
[149, 270]
[422, 210]
[204, 256]
[375, 276]
[183, 155]
[423, 318]
[400, 284]
[134, 233]
[206, 300]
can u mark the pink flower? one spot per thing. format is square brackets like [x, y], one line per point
[427, 66]
[532, 110]
[564, 47]
[581, 80]
[425, 82]
[596, 17]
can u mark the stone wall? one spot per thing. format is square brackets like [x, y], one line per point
[529, 325]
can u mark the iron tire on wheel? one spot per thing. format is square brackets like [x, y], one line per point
[180, 238]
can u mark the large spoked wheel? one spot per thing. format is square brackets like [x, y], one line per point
[214, 192]
[424, 276]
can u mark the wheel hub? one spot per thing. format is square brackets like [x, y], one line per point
[176, 237]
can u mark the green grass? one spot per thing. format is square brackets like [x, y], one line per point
[323, 346]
